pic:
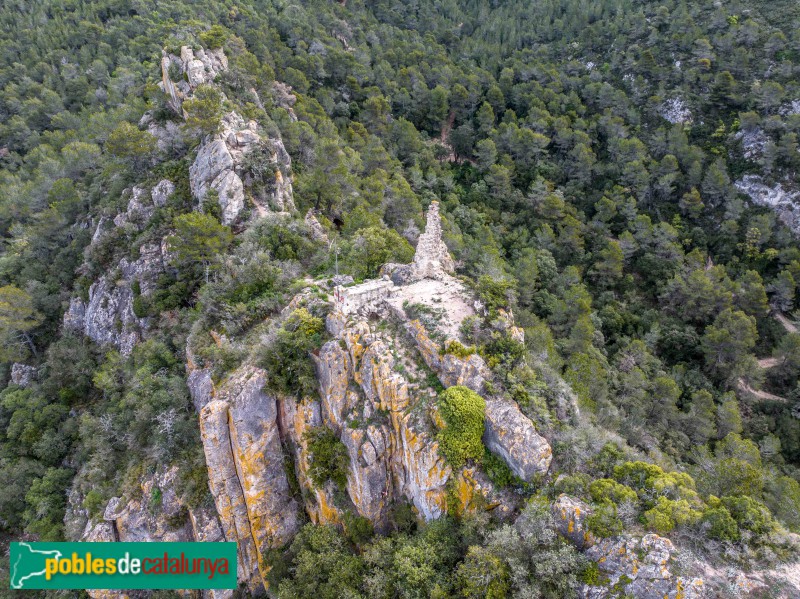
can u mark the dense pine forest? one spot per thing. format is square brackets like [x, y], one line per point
[617, 179]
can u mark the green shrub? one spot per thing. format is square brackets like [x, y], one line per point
[458, 349]
[329, 457]
[749, 514]
[156, 498]
[494, 293]
[178, 519]
[288, 358]
[591, 574]
[498, 471]
[358, 529]
[463, 412]
[721, 525]
[650, 480]
[94, 502]
[667, 514]
[605, 489]
[604, 522]
[215, 37]
[502, 350]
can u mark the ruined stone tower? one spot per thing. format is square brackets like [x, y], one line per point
[432, 259]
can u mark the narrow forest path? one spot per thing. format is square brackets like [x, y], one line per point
[766, 363]
[787, 324]
[743, 386]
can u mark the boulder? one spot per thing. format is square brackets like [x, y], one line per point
[570, 515]
[511, 435]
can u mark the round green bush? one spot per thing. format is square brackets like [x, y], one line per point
[721, 525]
[463, 412]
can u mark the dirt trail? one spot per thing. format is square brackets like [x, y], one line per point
[743, 386]
[768, 362]
[787, 324]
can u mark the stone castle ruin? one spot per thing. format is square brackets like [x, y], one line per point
[427, 280]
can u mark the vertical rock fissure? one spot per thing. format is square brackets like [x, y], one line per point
[239, 477]
[115, 530]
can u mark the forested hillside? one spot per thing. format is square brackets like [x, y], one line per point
[193, 194]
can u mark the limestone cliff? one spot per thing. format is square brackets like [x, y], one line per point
[245, 461]
[222, 159]
[375, 395]
[108, 316]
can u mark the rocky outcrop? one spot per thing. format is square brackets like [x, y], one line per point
[570, 515]
[785, 202]
[509, 433]
[315, 228]
[297, 418]
[220, 166]
[374, 396]
[244, 456]
[22, 374]
[155, 513]
[675, 111]
[754, 140]
[284, 98]
[190, 69]
[226, 487]
[201, 387]
[161, 192]
[392, 447]
[108, 317]
[641, 568]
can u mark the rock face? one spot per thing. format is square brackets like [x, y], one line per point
[642, 566]
[220, 166]
[201, 387]
[509, 433]
[198, 67]
[784, 202]
[570, 515]
[676, 111]
[393, 453]
[22, 374]
[155, 514]
[108, 317]
[244, 455]
[220, 162]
